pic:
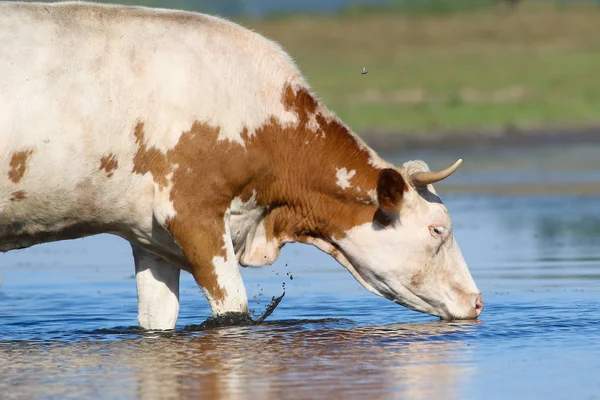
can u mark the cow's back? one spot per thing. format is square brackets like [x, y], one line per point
[76, 80]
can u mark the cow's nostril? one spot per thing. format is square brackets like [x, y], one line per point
[479, 304]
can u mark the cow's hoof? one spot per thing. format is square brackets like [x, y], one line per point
[224, 320]
[235, 318]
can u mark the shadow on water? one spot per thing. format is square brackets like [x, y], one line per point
[337, 357]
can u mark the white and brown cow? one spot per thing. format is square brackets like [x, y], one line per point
[200, 143]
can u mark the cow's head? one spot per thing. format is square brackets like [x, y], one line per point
[408, 253]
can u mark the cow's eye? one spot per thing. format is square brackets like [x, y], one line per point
[436, 230]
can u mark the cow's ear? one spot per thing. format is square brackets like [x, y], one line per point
[390, 190]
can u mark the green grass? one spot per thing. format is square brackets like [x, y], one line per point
[536, 65]
[420, 6]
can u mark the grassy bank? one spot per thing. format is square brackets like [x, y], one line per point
[481, 68]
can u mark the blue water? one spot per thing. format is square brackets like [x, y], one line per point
[68, 316]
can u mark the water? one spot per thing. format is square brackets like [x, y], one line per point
[68, 310]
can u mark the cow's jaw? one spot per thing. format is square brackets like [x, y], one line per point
[415, 303]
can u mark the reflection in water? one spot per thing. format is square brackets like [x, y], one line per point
[275, 360]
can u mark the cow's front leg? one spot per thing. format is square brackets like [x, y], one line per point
[157, 290]
[206, 244]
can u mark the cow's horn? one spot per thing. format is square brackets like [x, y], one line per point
[425, 178]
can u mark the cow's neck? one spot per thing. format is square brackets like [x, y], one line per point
[324, 189]
[321, 181]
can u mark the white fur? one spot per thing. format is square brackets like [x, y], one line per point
[158, 291]
[373, 195]
[229, 278]
[343, 177]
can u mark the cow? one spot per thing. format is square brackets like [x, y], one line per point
[200, 143]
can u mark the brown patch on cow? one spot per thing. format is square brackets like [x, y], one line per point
[109, 163]
[300, 102]
[198, 229]
[150, 159]
[17, 196]
[18, 165]
[293, 180]
[200, 219]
